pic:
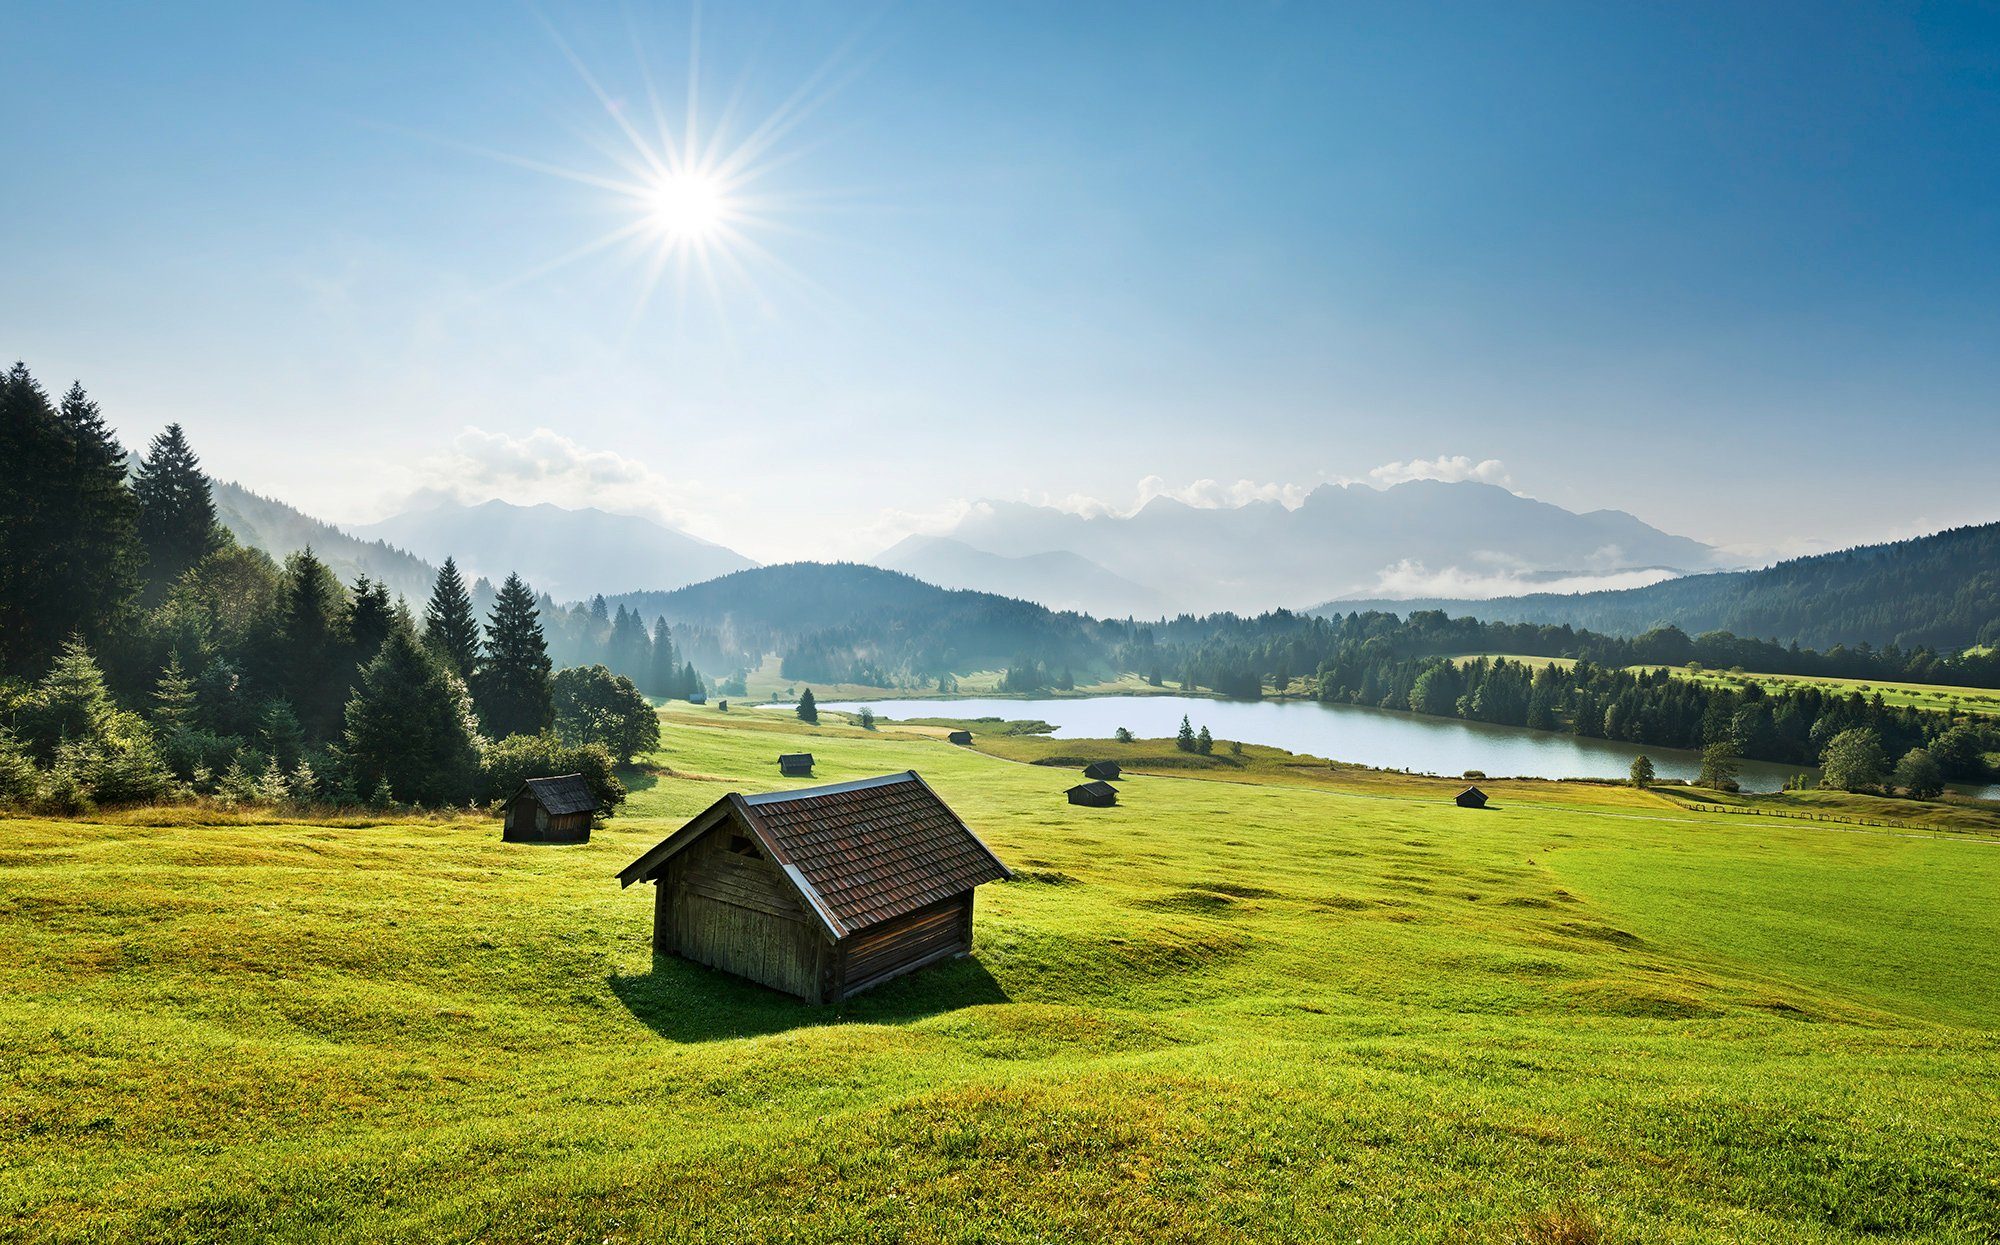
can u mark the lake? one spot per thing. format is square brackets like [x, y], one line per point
[1377, 737]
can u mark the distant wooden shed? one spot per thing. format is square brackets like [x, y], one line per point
[550, 810]
[795, 764]
[1093, 794]
[1102, 771]
[821, 893]
[1471, 797]
[960, 737]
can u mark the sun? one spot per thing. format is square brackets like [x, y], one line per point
[687, 207]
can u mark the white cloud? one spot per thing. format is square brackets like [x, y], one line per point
[1409, 578]
[1202, 494]
[546, 466]
[892, 525]
[1452, 468]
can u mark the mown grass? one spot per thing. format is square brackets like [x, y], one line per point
[1942, 697]
[1304, 1003]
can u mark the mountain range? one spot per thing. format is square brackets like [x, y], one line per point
[1940, 591]
[568, 554]
[1341, 541]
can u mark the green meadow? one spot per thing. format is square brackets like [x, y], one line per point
[1262, 999]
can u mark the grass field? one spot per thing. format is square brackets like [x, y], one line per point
[1259, 1000]
[1921, 695]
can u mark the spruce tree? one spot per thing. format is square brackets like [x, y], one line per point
[174, 697]
[631, 650]
[1184, 739]
[512, 683]
[101, 557]
[68, 537]
[808, 709]
[370, 618]
[177, 525]
[31, 448]
[664, 678]
[409, 727]
[311, 650]
[450, 629]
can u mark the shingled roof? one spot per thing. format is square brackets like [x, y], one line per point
[859, 853]
[565, 793]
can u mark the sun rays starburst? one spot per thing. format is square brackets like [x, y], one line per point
[691, 191]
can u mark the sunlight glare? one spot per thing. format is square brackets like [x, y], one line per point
[687, 207]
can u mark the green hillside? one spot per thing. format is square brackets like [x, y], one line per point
[1273, 1002]
[261, 522]
[1940, 591]
[842, 622]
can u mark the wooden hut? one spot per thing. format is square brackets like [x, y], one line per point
[550, 810]
[1471, 797]
[795, 764]
[823, 892]
[1093, 794]
[960, 737]
[1102, 771]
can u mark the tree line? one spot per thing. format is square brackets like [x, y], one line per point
[145, 655]
[1616, 688]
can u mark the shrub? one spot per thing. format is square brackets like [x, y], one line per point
[1919, 774]
[517, 758]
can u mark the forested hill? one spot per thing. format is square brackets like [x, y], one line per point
[1940, 591]
[847, 622]
[265, 523]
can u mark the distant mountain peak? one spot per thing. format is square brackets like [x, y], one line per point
[1342, 540]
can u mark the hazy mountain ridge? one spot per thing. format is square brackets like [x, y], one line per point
[1341, 540]
[568, 554]
[1941, 591]
[265, 523]
[846, 621]
[1060, 580]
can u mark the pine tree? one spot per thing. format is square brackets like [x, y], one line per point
[1204, 743]
[1184, 739]
[664, 678]
[370, 618]
[31, 446]
[177, 525]
[68, 537]
[512, 683]
[410, 727]
[690, 682]
[101, 548]
[450, 629]
[631, 651]
[311, 649]
[808, 709]
[174, 698]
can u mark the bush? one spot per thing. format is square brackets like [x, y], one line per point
[517, 758]
[1919, 775]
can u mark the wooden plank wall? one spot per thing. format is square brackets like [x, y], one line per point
[732, 912]
[895, 947]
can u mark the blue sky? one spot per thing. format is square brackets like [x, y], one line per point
[1732, 268]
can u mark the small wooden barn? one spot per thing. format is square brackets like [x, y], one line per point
[1102, 771]
[823, 892]
[960, 737]
[550, 810]
[1471, 797]
[795, 764]
[1093, 794]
